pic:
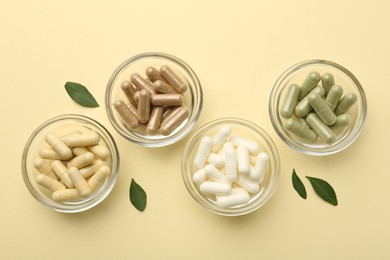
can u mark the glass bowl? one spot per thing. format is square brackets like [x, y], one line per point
[192, 98]
[343, 136]
[244, 129]
[64, 125]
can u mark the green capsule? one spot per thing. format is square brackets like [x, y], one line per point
[309, 84]
[327, 81]
[333, 97]
[342, 120]
[323, 111]
[300, 130]
[345, 103]
[320, 128]
[290, 101]
[303, 107]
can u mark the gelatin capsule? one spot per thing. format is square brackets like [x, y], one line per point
[247, 184]
[217, 188]
[142, 83]
[143, 111]
[222, 135]
[203, 151]
[290, 101]
[243, 160]
[59, 146]
[173, 79]
[261, 164]
[230, 162]
[300, 130]
[44, 168]
[215, 160]
[81, 160]
[163, 88]
[309, 84]
[334, 96]
[342, 120]
[79, 182]
[327, 82]
[199, 176]
[214, 174]
[129, 91]
[232, 200]
[174, 121]
[323, 111]
[320, 128]
[49, 183]
[89, 170]
[345, 103]
[50, 154]
[253, 147]
[127, 116]
[154, 120]
[66, 195]
[99, 177]
[79, 150]
[153, 74]
[86, 139]
[62, 172]
[100, 151]
[171, 100]
[303, 107]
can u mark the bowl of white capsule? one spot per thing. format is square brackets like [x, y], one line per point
[70, 163]
[318, 107]
[153, 99]
[231, 166]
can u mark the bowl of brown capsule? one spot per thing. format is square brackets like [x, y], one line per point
[153, 99]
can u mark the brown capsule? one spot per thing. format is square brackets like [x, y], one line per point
[153, 73]
[125, 113]
[142, 83]
[168, 112]
[143, 110]
[154, 120]
[129, 91]
[174, 121]
[171, 100]
[163, 88]
[173, 79]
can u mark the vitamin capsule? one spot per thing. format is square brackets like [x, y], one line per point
[99, 177]
[81, 160]
[258, 172]
[320, 128]
[89, 170]
[309, 84]
[345, 103]
[79, 150]
[59, 146]
[153, 73]
[129, 91]
[44, 168]
[174, 121]
[323, 111]
[62, 172]
[143, 111]
[243, 160]
[129, 119]
[203, 151]
[49, 183]
[136, 97]
[247, 184]
[214, 174]
[86, 139]
[79, 182]
[199, 176]
[168, 112]
[141, 83]
[290, 101]
[303, 107]
[66, 195]
[215, 160]
[50, 154]
[334, 96]
[225, 146]
[233, 200]
[100, 151]
[154, 120]
[253, 147]
[327, 81]
[163, 88]
[216, 188]
[300, 130]
[173, 79]
[220, 138]
[342, 120]
[230, 163]
[171, 100]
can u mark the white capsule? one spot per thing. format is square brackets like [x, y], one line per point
[253, 147]
[62, 172]
[215, 160]
[258, 172]
[214, 174]
[87, 139]
[89, 170]
[233, 200]
[230, 164]
[216, 188]
[59, 146]
[81, 160]
[100, 151]
[49, 183]
[79, 182]
[99, 177]
[220, 138]
[66, 195]
[243, 160]
[203, 152]
[44, 168]
[247, 184]
[199, 176]
[224, 147]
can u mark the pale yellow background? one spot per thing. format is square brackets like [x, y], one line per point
[238, 49]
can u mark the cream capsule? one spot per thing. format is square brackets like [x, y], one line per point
[62, 172]
[66, 195]
[303, 107]
[129, 91]
[79, 150]
[59, 146]
[153, 74]
[154, 120]
[163, 88]
[89, 170]
[333, 97]
[342, 120]
[173, 79]
[100, 151]
[171, 100]
[142, 83]
[323, 111]
[309, 84]
[86, 139]
[327, 81]
[217, 188]
[174, 121]
[49, 183]
[99, 177]
[253, 147]
[127, 116]
[290, 101]
[320, 128]
[230, 162]
[300, 130]
[81, 160]
[243, 160]
[220, 138]
[232, 200]
[203, 152]
[44, 168]
[345, 103]
[50, 154]
[143, 111]
[79, 182]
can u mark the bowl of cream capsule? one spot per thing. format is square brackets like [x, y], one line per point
[70, 163]
[153, 99]
[318, 107]
[231, 166]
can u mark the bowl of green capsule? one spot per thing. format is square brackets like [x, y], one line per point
[153, 99]
[318, 107]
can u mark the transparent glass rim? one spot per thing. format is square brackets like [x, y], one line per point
[103, 192]
[187, 174]
[276, 120]
[195, 110]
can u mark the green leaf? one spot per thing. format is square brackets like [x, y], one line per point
[137, 196]
[324, 190]
[80, 94]
[298, 185]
